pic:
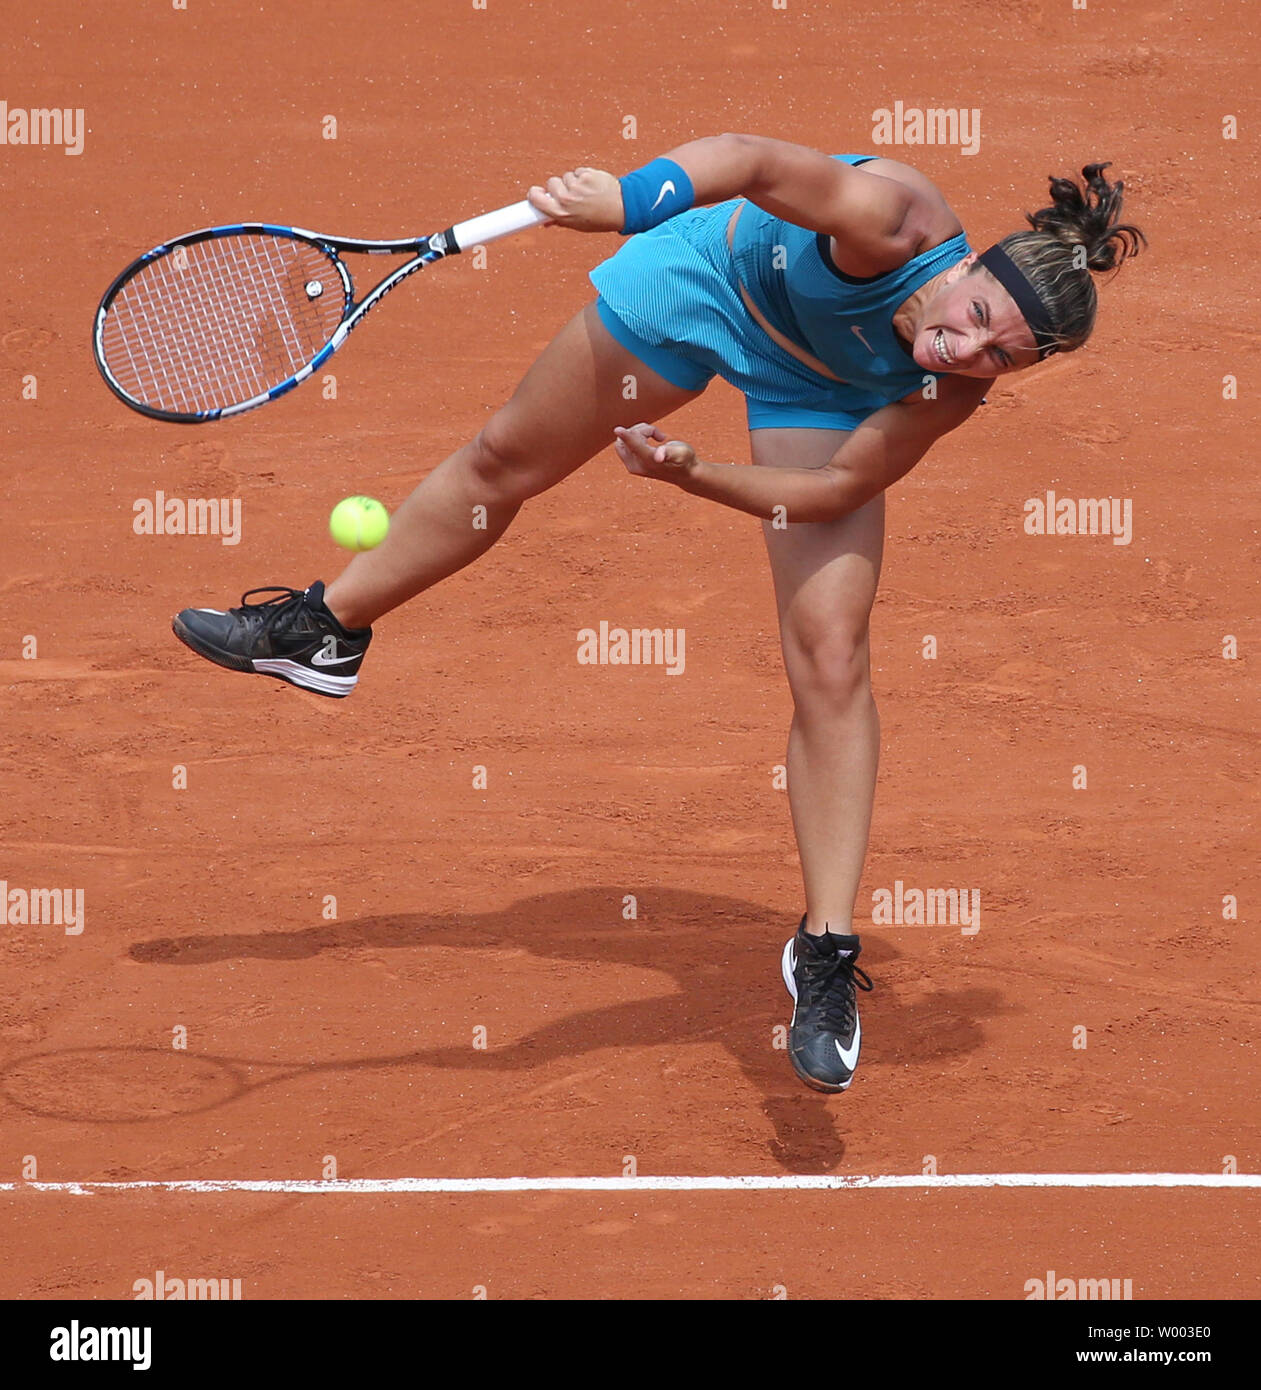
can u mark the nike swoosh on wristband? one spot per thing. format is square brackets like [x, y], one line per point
[667, 187]
[321, 658]
[850, 1056]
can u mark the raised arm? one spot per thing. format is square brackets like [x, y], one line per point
[864, 212]
[878, 222]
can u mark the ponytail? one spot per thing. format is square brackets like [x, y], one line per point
[1077, 234]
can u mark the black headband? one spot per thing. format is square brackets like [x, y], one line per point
[1001, 266]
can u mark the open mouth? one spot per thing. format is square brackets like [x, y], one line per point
[939, 349]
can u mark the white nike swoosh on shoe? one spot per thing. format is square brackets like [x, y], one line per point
[787, 965]
[850, 1055]
[667, 187]
[304, 677]
[321, 658]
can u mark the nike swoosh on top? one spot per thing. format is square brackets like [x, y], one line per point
[858, 333]
[667, 187]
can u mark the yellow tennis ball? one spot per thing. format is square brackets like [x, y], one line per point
[358, 523]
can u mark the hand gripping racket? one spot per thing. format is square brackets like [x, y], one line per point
[228, 318]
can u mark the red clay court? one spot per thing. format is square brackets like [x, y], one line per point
[340, 916]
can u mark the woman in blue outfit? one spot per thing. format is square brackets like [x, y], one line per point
[840, 295]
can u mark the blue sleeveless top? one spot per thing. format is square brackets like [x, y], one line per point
[844, 321]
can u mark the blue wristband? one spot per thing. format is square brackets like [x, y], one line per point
[654, 193]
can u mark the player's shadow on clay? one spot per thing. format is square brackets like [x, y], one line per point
[723, 955]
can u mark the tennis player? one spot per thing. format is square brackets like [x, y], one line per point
[840, 296]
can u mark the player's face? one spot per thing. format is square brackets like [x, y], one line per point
[971, 327]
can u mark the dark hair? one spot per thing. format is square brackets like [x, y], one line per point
[1077, 234]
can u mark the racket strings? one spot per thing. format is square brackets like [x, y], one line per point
[221, 321]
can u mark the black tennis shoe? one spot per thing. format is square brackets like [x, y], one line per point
[291, 636]
[824, 1037]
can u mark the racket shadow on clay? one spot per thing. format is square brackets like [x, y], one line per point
[721, 953]
[135, 1085]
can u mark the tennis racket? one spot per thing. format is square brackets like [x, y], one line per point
[229, 318]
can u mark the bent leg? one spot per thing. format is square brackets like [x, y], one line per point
[825, 583]
[562, 414]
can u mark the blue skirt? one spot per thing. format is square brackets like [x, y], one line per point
[671, 298]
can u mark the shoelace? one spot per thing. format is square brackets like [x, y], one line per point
[836, 1006]
[273, 613]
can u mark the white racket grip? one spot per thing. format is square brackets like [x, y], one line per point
[490, 226]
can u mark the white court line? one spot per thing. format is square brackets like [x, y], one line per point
[349, 1187]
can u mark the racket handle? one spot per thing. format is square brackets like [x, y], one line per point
[490, 226]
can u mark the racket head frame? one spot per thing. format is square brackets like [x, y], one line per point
[424, 251]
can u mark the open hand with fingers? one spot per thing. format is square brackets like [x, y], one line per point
[645, 450]
[588, 200]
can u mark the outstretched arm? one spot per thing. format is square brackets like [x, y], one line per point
[885, 447]
[878, 220]
[799, 184]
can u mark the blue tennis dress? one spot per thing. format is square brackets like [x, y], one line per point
[671, 296]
